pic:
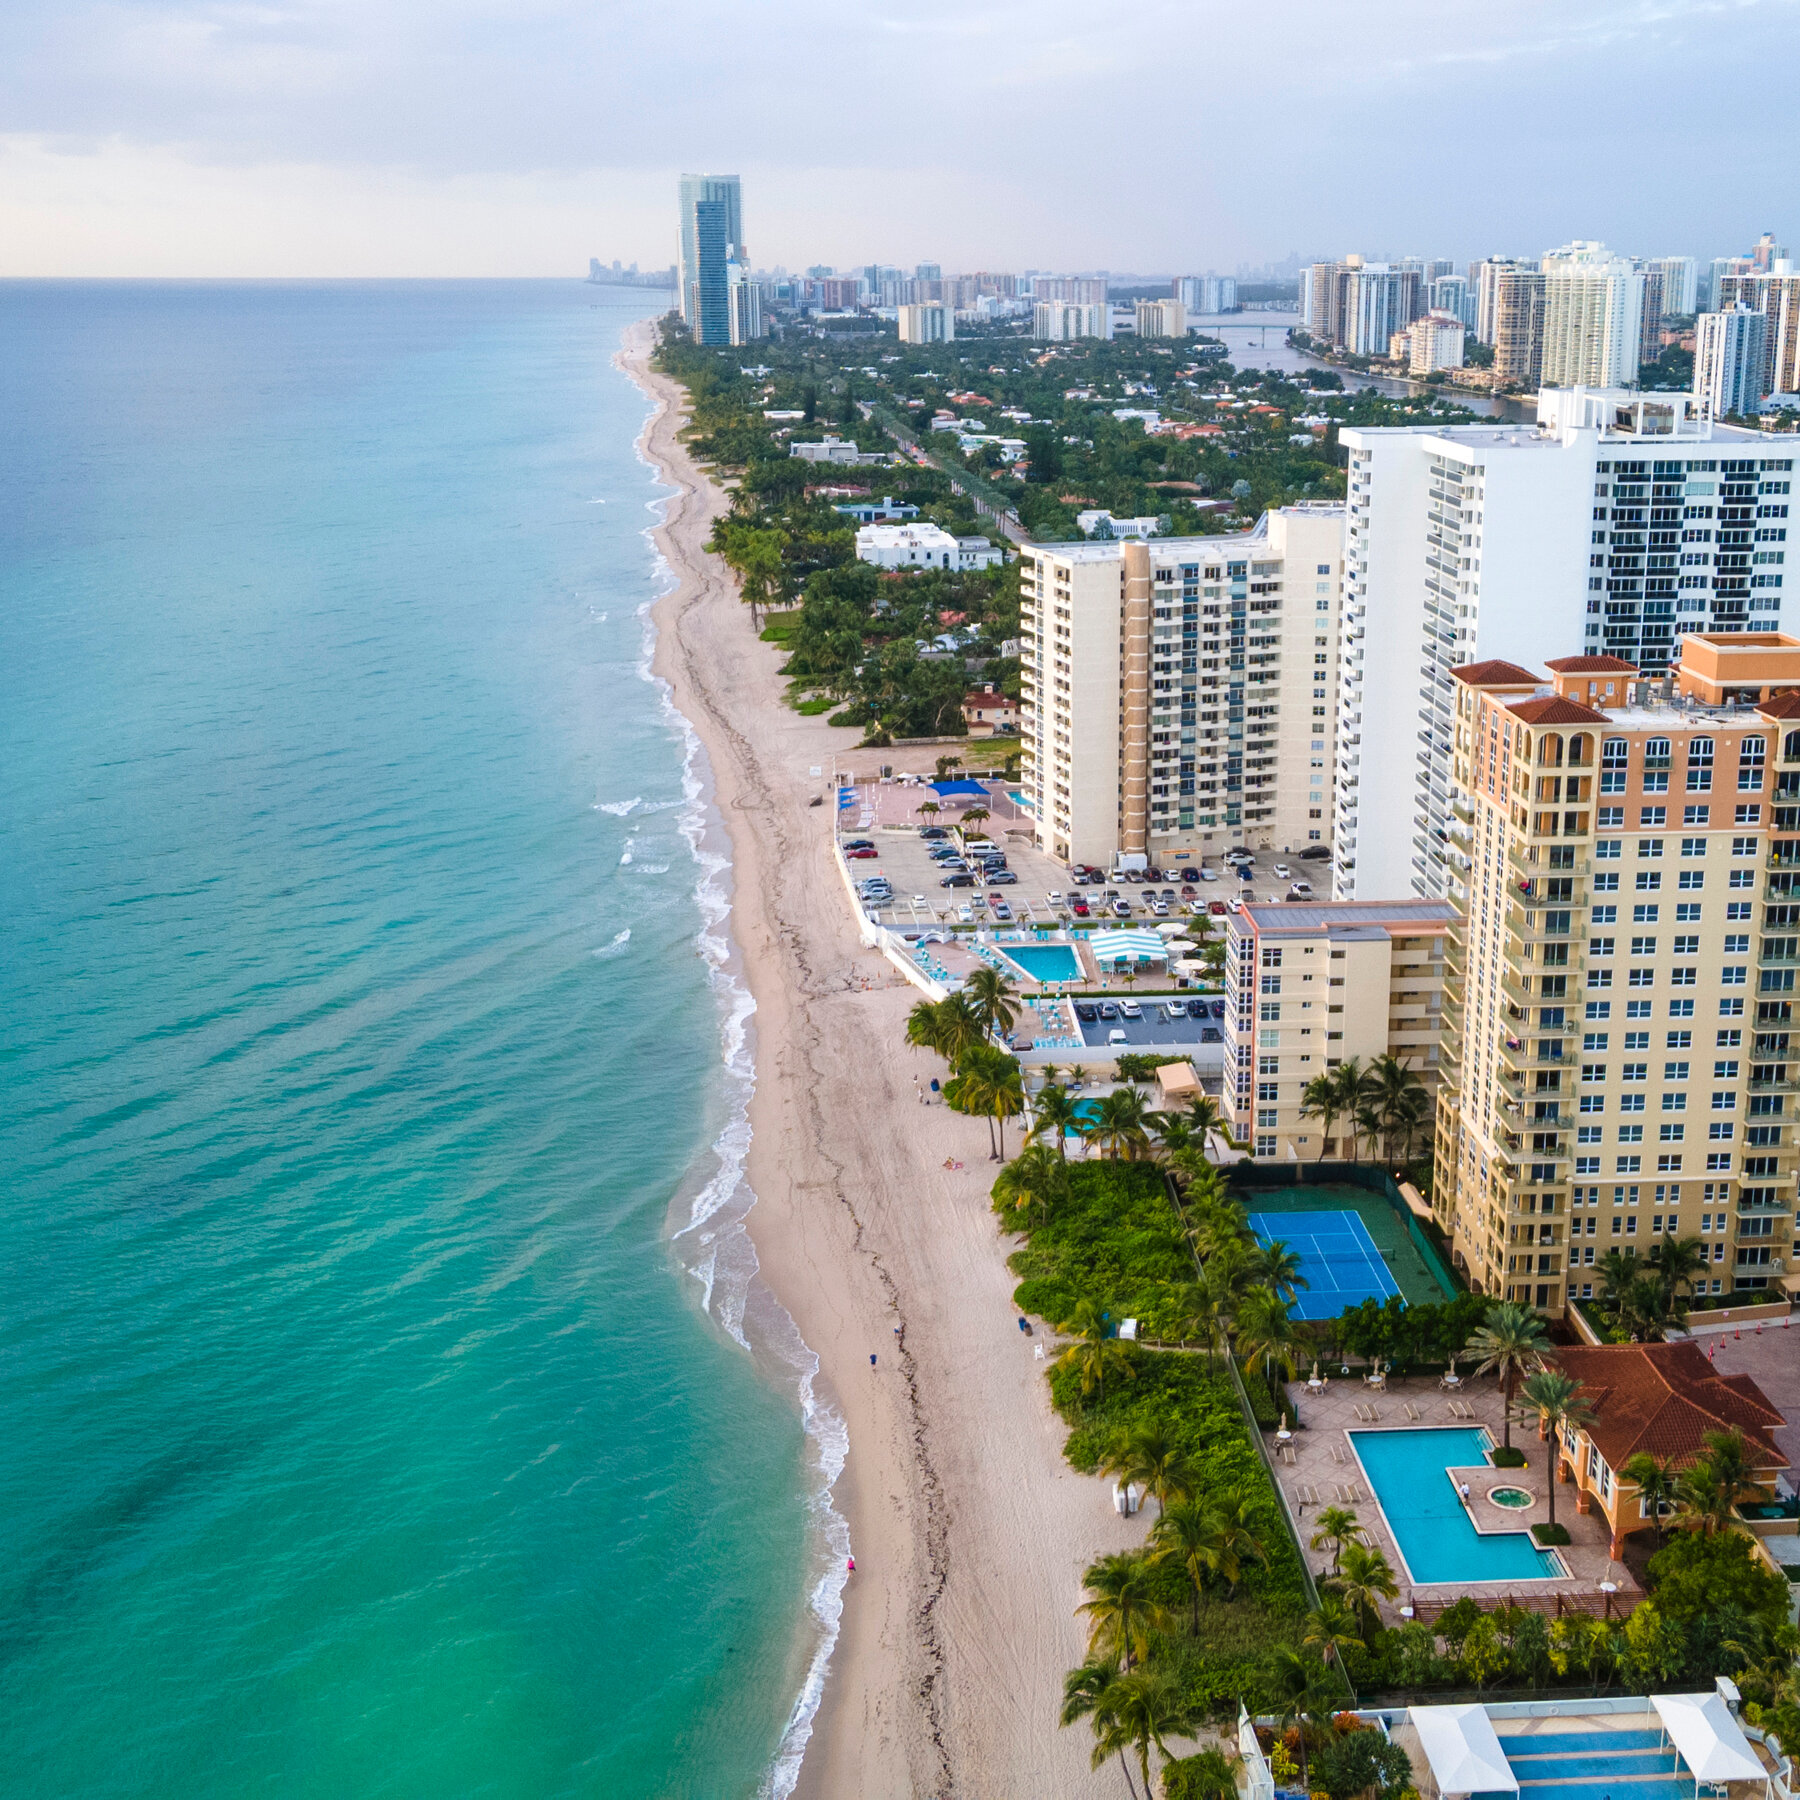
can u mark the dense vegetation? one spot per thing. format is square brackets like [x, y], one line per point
[865, 645]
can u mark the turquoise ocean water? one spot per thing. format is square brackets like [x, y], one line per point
[367, 1027]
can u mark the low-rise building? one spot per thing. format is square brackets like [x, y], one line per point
[841, 451]
[924, 546]
[1307, 987]
[988, 713]
[1661, 1399]
[1620, 1045]
[1097, 523]
[878, 512]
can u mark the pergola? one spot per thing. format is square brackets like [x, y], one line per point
[1464, 1754]
[1709, 1740]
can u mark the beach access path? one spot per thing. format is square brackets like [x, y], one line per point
[970, 1530]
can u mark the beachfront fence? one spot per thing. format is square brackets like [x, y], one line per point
[1259, 1779]
[1259, 1177]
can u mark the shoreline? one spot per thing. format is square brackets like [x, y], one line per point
[969, 1529]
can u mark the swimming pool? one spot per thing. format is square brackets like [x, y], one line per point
[1437, 1538]
[1044, 962]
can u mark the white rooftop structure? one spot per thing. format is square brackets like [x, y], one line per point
[1708, 1739]
[923, 546]
[1464, 1753]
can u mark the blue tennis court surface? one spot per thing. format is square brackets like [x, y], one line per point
[1342, 1264]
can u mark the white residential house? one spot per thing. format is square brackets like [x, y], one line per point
[923, 546]
[838, 450]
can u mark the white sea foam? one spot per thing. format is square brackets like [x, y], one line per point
[617, 946]
[714, 1244]
[618, 808]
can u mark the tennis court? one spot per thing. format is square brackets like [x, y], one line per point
[1341, 1262]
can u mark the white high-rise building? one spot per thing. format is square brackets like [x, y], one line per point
[1622, 520]
[927, 322]
[1058, 321]
[1776, 295]
[1376, 302]
[1681, 284]
[1593, 317]
[1161, 319]
[1177, 695]
[1729, 359]
[1452, 294]
[1208, 293]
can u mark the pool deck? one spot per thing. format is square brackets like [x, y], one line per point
[1325, 1472]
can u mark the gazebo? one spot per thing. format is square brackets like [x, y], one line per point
[1127, 946]
[1708, 1740]
[1464, 1754]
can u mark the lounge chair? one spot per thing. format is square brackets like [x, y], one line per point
[1412, 1412]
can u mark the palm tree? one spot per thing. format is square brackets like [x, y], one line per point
[1140, 1709]
[1349, 1078]
[1035, 1177]
[928, 810]
[925, 1026]
[1617, 1270]
[1234, 1541]
[1411, 1110]
[1200, 1312]
[1117, 1124]
[1276, 1267]
[1149, 1458]
[1512, 1343]
[1302, 1692]
[1658, 1485]
[995, 999]
[1005, 1097]
[1266, 1334]
[1084, 1692]
[1716, 1480]
[1333, 1628]
[1370, 1124]
[1095, 1349]
[1212, 1775]
[1365, 1578]
[959, 1026]
[1650, 1312]
[1185, 1534]
[1337, 1527]
[1055, 1113]
[1319, 1100]
[1204, 1120]
[1677, 1261]
[1390, 1085]
[1122, 1612]
[1557, 1400]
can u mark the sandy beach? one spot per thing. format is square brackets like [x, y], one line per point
[969, 1530]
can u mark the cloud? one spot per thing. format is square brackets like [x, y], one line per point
[976, 132]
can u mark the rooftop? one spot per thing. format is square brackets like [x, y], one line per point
[1348, 917]
[1192, 549]
[1664, 1398]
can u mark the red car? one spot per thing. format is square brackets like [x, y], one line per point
[861, 855]
[1080, 909]
[1217, 908]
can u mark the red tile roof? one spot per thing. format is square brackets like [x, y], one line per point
[1555, 709]
[1780, 706]
[1495, 674]
[1664, 1398]
[1591, 665]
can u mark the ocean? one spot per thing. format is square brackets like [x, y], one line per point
[380, 1417]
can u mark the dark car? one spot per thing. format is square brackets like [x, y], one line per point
[1246, 875]
[933, 831]
[1187, 892]
[1212, 1035]
[961, 879]
[1153, 874]
[1316, 853]
[1085, 1012]
[1190, 874]
[1002, 877]
[1218, 1008]
[859, 843]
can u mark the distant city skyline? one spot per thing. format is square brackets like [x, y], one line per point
[313, 137]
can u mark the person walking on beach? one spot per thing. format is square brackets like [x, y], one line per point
[871, 1359]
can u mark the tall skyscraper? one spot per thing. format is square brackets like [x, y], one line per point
[1484, 279]
[711, 233]
[1729, 359]
[1621, 521]
[1516, 320]
[1681, 284]
[1377, 300]
[1452, 294]
[1593, 317]
[1776, 296]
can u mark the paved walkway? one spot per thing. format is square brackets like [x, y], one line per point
[1324, 1472]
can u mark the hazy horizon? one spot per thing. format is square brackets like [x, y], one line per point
[293, 138]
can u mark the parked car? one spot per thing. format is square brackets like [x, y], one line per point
[1159, 909]
[966, 914]
[1212, 1035]
[1108, 1010]
[1153, 874]
[1209, 874]
[1301, 886]
[1216, 908]
[1187, 890]
[1174, 1009]
[1316, 853]
[961, 878]
[1234, 904]
[1196, 1009]
[920, 900]
[1190, 874]
[859, 843]
[1002, 878]
[1054, 897]
[933, 831]
[1245, 873]
[1121, 909]
[1086, 1012]
[1282, 871]
[1116, 1036]
[1130, 1009]
[1080, 908]
[999, 908]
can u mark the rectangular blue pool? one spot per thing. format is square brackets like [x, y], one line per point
[1437, 1538]
[1044, 962]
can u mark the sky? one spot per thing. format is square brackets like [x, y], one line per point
[471, 137]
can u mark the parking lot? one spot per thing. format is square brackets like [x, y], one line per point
[887, 817]
[1153, 1029]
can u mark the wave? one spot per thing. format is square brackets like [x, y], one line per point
[617, 945]
[714, 1244]
[618, 808]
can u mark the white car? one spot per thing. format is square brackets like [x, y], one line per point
[1129, 1009]
[1209, 875]
[1282, 871]
[920, 900]
[1301, 887]
[1054, 897]
[966, 914]
[1116, 1036]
